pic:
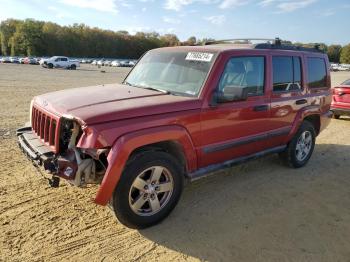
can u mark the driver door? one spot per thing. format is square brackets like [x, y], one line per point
[236, 127]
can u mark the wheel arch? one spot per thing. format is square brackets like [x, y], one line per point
[172, 139]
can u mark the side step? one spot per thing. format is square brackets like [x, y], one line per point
[205, 171]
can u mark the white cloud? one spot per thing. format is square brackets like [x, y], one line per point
[327, 13]
[232, 3]
[99, 5]
[267, 2]
[291, 6]
[285, 6]
[144, 9]
[170, 20]
[216, 19]
[177, 5]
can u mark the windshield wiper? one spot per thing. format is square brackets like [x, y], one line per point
[155, 89]
[147, 87]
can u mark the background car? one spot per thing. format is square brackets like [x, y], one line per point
[115, 63]
[14, 60]
[341, 100]
[5, 60]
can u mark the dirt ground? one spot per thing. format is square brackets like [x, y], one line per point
[259, 211]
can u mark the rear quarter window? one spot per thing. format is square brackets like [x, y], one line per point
[317, 74]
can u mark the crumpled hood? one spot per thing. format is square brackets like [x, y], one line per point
[111, 102]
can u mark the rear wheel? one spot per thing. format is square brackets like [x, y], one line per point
[73, 67]
[300, 148]
[148, 190]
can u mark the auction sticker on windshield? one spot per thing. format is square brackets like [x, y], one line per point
[198, 56]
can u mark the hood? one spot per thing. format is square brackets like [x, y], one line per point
[111, 102]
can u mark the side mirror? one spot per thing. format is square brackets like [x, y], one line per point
[231, 94]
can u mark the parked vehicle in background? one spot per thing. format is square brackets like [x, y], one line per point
[94, 62]
[100, 62]
[5, 60]
[42, 60]
[61, 62]
[30, 60]
[115, 63]
[14, 60]
[132, 63]
[341, 100]
[181, 112]
[107, 63]
[124, 63]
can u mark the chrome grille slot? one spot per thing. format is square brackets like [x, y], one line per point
[45, 126]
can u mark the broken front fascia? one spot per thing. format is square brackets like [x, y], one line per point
[77, 169]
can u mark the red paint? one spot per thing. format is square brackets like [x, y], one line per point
[341, 98]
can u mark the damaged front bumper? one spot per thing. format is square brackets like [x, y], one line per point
[69, 165]
[32, 146]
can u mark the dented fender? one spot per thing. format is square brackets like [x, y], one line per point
[125, 145]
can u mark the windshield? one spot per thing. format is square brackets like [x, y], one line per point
[347, 82]
[176, 72]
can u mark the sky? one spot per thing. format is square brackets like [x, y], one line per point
[295, 20]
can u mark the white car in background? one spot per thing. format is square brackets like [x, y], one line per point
[61, 62]
[115, 63]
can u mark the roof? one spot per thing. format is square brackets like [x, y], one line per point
[231, 44]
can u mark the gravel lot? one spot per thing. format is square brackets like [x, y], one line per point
[259, 211]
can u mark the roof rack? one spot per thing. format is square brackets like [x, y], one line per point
[276, 43]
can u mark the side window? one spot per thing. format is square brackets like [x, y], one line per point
[286, 73]
[244, 72]
[57, 59]
[317, 75]
[64, 59]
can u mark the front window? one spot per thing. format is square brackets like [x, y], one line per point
[175, 72]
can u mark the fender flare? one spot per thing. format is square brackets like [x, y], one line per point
[125, 145]
[299, 118]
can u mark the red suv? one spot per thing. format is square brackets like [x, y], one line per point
[182, 112]
[341, 100]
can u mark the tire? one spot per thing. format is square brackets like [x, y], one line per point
[137, 174]
[73, 67]
[50, 66]
[336, 116]
[297, 153]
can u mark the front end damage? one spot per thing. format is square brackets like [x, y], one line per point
[51, 142]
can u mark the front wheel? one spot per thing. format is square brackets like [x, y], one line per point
[300, 148]
[148, 190]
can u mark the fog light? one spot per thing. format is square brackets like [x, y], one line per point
[68, 171]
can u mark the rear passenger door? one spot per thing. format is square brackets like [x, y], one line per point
[288, 94]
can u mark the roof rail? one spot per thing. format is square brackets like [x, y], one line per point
[242, 40]
[276, 43]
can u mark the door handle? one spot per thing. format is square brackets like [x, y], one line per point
[301, 101]
[261, 108]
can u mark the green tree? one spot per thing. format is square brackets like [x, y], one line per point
[169, 40]
[345, 55]
[334, 53]
[7, 29]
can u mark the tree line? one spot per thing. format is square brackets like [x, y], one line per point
[30, 37]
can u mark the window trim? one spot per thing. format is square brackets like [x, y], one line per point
[302, 83]
[244, 56]
[326, 71]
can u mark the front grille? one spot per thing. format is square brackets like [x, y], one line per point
[46, 127]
